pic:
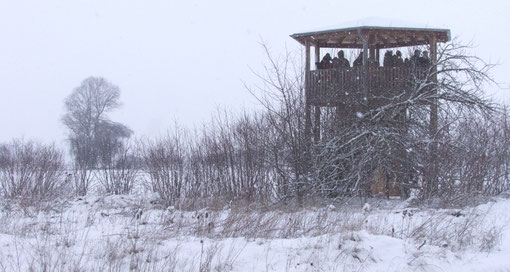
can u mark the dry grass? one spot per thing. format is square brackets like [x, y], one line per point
[127, 234]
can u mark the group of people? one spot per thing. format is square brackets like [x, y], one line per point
[419, 59]
[338, 62]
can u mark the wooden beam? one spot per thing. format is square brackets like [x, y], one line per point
[342, 38]
[317, 121]
[432, 176]
[433, 106]
[365, 52]
[308, 117]
[317, 55]
[371, 44]
[365, 70]
[317, 125]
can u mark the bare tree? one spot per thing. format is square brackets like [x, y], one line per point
[281, 92]
[396, 136]
[92, 135]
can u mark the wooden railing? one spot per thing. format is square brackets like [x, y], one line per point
[346, 86]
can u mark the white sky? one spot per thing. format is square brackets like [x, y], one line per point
[181, 60]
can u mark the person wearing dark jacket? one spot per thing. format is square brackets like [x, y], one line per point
[388, 59]
[415, 58]
[326, 62]
[424, 60]
[342, 60]
[398, 61]
[359, 60]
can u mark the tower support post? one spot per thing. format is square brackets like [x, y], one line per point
[433, 185]
[317, 117]
[308, 107]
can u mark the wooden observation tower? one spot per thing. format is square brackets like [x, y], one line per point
[357, 89]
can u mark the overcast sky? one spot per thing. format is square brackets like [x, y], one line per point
[180, 60]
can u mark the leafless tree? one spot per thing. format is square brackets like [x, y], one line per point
[396, 137]
[92, 135]
[281, 93]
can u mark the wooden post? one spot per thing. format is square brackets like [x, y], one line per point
[317, 55]
[372, 55]
[365, 70]
[317, 119]
[365, 52]
[308, 117]
[317, 125]
[433, 122]
[371, 45]
[306, 163]
[378, 56]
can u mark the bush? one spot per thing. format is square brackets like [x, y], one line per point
[119, 174]
[164, 162]
[474, 157]
[227, 161]
[31, 172]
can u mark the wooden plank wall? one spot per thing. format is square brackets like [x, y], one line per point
[344, 87]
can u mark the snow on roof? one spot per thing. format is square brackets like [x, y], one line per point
[390, 33]
[378, 22]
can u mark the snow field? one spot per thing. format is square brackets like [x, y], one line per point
[132, 233]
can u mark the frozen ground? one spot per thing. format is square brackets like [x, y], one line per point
[131, 232]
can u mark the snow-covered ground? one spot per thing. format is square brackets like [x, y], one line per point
[132, 232]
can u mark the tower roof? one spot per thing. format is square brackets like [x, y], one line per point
[379, 33]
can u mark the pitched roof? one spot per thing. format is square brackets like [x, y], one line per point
[380, 33]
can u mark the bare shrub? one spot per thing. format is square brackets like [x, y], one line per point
[281, 92]
[490, 238]
[449, 231]
[225, 161]
[81, 179]
[234, 157]
[119, 172]
[31, 172]
[164, 161]
[474, 157]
